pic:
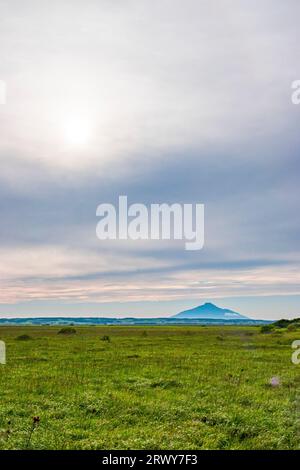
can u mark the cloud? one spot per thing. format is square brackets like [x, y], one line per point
[186, 103]
[151, 80]
[47, 274]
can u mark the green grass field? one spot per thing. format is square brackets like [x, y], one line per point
[149, 388]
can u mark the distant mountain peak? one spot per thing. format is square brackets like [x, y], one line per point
[211, 305]
[210, 311]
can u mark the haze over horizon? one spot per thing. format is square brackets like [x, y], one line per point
[163, 102]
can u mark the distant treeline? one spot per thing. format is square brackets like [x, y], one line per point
[291, 325]
[285, 323]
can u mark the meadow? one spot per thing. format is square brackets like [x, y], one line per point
[149, 388]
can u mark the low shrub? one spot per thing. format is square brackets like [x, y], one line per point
[23, 338]
[105, 338]
[67, 331]
[293, 327]
[267, 328]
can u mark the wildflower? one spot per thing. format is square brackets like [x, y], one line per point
[274, 382]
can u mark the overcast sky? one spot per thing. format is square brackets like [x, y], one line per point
[163, 101]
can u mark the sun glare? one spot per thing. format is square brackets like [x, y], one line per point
[77, 131]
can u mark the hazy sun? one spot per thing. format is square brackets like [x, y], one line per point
[77, 131]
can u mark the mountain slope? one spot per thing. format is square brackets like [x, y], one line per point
[210, 311]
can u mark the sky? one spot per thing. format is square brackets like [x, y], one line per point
[165, 102]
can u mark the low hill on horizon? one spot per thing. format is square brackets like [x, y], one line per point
[210, 311]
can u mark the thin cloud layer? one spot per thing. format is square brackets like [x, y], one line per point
[163, 102]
